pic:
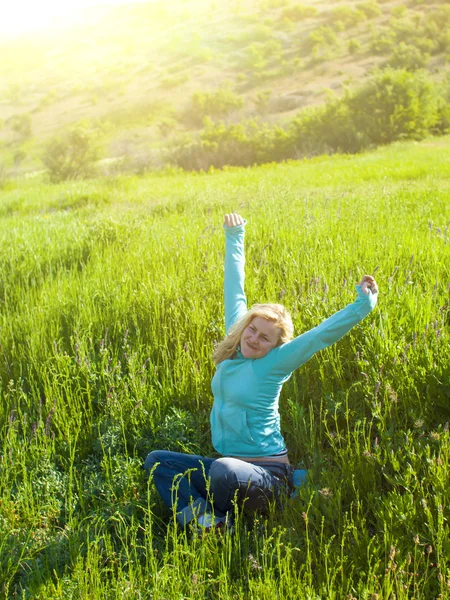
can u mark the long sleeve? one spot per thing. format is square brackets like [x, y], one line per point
[235, 300]
[288, 357]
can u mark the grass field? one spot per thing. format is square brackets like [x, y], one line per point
[111, 302]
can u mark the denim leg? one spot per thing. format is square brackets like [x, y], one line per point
[255, 486]
[186, 491]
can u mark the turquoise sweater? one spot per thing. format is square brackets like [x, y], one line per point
[244, 419]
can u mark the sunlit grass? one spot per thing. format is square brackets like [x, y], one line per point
[111, 294]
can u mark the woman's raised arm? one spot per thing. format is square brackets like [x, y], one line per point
[235, 300]
[286, 358]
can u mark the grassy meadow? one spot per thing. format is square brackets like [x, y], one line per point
[111, 303]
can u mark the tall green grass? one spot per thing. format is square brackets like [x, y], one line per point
[111, 302]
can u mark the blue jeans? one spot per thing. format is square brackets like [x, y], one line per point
[193, 485]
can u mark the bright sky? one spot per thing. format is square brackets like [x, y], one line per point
[27, 16]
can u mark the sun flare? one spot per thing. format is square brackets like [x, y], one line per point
[24, 17]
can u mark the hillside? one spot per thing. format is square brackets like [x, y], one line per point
[130, 72]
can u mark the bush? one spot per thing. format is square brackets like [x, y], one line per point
[395, 104]
[370, 9]
[437, 29]
[326, 129]
[408, 57]
[3, 176]
[345, 17]
[323, 37]
[353, 46]
[243, 144]
[217, 104]
[392, 105]
[21, 124]
[298, 12]
[72, 156]
[19, 157]
[382, 40]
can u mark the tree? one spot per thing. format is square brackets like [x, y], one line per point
[72, 156]
[395, 104]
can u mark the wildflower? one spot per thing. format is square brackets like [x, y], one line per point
[254, 565]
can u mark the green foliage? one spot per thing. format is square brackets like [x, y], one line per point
[245, 144]
[323, 36]
[345, 17]
[216, 104]
[392, 105]
[325, 129]
[408, 57]
[382, 40]
[174, 81]
[429, 32]
[262, 101]
[21, 124]
[322, 42]
[3, 176]
[111, 296]
[395, 104]
[371, 9]
[298, 12]
[19, 156]
[72, 156]
[353, 46]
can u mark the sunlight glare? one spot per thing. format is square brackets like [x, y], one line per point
[30, 16]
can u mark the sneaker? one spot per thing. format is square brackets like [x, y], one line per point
[207, 523]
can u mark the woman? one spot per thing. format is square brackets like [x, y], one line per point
[253, 361]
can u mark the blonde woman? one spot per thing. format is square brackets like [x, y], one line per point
[257, 356]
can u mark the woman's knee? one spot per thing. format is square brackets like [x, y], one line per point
[155, 457]
[223, 479]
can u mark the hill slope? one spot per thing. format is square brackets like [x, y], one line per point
[132, 70]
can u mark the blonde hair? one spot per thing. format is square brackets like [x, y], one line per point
[276, 313]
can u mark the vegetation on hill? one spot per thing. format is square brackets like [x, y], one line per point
[152, 81]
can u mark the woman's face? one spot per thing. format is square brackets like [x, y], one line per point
[259, 337]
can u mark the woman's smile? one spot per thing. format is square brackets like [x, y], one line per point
[259, 337]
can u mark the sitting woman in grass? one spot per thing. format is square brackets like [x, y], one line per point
[253, 361]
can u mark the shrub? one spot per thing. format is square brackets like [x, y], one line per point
[262, 101]
[243, 144]
[395, 104]
[437, 29]
[174, 81]
[19, 157]
[370, 9]
[217, 104]
[408, 57]
[323, 36]
[353, 46]
[298, 12]
[325, 129]
[382, 40]
[345, 17]
[258, 56]
[392, 105]
[443, 122]
[21, 124]
[3, 176]
[72, 156]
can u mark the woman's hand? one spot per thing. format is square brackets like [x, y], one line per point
[368, 283]
[233, 219]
